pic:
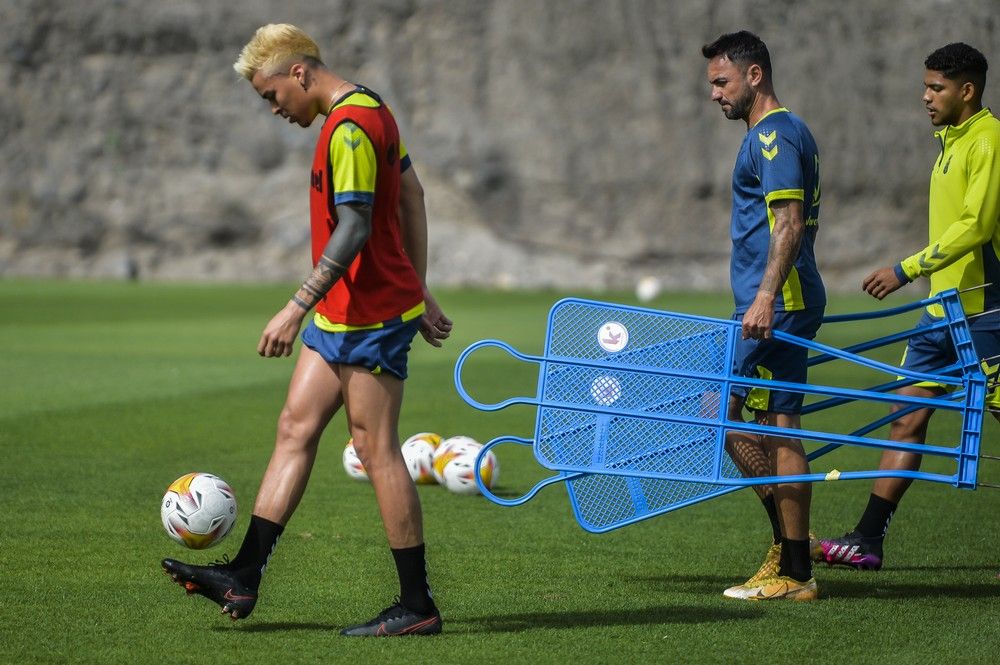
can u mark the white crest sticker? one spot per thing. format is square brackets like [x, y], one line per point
[606, 390]
[612, 336]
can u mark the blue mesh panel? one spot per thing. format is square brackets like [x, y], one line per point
[594, 418]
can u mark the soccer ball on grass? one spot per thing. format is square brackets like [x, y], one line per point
[451, 448]
[459, 473]
[418, 453]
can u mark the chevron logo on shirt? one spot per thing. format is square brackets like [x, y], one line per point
[767, 139]
[354, 140]
[770, 154]
[934, 253]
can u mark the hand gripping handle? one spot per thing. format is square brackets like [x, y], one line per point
[460, 363]
[559, 477]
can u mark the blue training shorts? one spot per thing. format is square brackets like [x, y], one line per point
[777, 360]
[930, 351]
[377, 349]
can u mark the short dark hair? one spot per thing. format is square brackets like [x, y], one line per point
[742, 48]
[959, 61]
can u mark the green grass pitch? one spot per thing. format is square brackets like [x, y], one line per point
[110, 391]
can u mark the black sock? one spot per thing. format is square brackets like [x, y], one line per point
[258, 544]
[414, 591]
[772, 514]
[874, 521]
[795, 561]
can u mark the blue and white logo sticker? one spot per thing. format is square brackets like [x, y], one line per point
[612, 336]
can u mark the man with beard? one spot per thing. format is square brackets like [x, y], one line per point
[776, 286]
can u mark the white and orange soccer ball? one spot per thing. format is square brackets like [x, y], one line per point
[352, 463]
[459, 472]
[418, 453]
[451, 448]
[429, 437]
[198, 510]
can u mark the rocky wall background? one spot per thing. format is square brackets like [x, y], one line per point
[560, 143]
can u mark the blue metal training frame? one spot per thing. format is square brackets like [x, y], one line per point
[632, 406]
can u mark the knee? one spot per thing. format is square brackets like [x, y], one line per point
[909, 428]
[373, 451]
[296, 431]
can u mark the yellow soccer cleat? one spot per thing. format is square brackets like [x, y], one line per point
[768, 570]
[785, 588]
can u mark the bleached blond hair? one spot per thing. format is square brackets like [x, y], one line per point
[271, 47]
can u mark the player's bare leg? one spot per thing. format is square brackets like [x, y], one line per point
[313, 398]
[793, 499]
[911, 428]
[862, 547]
[793, 580]
[752, 459]
[747, 451]
[373, 402]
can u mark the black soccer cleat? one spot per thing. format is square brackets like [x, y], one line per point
[216, 582]
[397, 620]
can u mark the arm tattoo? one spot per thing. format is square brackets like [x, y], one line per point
[353, 228]
[786, 237]
[323, 277]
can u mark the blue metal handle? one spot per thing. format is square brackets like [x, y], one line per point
[471, 401]
[892, 311]
[559, 477]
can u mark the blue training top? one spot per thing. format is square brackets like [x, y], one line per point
[777, 160]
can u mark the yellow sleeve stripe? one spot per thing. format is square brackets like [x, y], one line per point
[404, 157]
[784, 195]
[791, 290]
[327, 325]
[352, 158]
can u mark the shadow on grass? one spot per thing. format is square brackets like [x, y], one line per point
[576, 619]
[279, 626]
[571, 619]
[848, 584]
[944, 568]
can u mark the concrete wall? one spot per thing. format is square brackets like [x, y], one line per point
[560, 143]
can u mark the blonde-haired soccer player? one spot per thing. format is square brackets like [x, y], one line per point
[369, 249]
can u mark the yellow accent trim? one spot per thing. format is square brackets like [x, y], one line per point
[791, 290]
[993, 398]
[780, 109]
[758, 398]
[784, 195]
[357, 98]
[327, 325]
[816, 190]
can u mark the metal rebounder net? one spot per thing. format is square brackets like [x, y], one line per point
[631, 406]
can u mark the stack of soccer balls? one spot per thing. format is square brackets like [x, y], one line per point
[430, 459]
